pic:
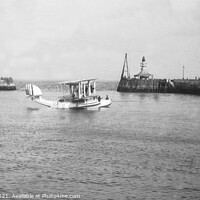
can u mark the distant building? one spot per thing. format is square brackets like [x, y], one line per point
[7, 83]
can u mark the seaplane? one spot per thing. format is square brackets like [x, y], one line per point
[81, 95]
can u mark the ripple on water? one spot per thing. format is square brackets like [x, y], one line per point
[146, 149]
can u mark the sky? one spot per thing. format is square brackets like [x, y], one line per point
[73, 39]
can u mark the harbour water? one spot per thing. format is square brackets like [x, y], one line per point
[145, 146]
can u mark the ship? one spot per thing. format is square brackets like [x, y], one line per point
[7, 83]
[145, 82]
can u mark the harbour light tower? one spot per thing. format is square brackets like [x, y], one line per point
[143, 64]
[143, 73]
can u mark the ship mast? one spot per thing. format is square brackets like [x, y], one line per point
[125, 71]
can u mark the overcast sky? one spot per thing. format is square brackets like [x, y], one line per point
[70, 39]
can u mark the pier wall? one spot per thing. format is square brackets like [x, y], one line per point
[185, 86]
[143, 85]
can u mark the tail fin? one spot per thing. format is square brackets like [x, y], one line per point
[33, 91]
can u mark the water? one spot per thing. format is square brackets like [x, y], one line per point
[145, 146]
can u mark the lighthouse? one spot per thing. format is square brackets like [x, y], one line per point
[143, 73]
[143, 64]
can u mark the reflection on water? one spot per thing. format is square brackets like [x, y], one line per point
[145, 146]
[31, 109]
